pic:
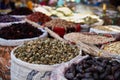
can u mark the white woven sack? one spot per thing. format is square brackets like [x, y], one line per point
[5, 42]
[21, 70]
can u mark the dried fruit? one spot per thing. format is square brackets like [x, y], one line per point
[91, 69]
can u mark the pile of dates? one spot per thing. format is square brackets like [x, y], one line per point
[39, 18]
[20, 31]
[7, 18]
[21, 11]
[93, 68]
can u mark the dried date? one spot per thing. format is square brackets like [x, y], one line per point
[110, 70]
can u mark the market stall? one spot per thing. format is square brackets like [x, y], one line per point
[60, 43]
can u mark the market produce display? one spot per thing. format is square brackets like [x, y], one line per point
[88, 38]
[38, 17]
[46, 51]
[19, 31]
[7, 18]
[60, 41]
[68, 15]
[61, 26]
[112, 47]
[94, 69]
[21, 11]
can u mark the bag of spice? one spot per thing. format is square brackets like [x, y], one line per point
[34, 60]
[17, 34]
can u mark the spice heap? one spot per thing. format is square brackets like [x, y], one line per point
[88, 38]
[20, 31]
[21, 11]
[39, 17]
[113, 47]
[94, 69]
[7, 18]
[46, 51]
[61, 26]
